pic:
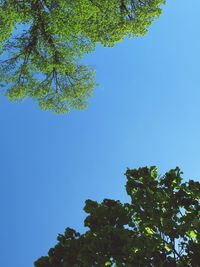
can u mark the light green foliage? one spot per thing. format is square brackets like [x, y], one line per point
[160, 227]
[42, 42]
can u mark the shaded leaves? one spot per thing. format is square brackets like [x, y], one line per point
[159, 227]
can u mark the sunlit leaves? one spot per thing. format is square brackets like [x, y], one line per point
[192, 234]
[149, 230]
[160, 227]
[42, 42]
[108, 263]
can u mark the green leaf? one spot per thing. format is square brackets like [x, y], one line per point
[149, 230]
[108, 263]
[167, 248]
[192, 234]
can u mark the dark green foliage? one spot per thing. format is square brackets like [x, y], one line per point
[42, 42]
[160, 227]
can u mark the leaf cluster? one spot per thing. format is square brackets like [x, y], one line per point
[42, 42]
[160, 227]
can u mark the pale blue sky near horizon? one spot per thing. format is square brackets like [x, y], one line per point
[145, 111]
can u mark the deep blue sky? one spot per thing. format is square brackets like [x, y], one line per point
[146, 111]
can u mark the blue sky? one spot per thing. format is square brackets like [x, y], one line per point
[145, 111]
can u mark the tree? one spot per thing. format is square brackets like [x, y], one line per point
[160, 227]
[42, 42]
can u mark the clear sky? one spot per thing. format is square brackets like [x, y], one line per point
[145, 111]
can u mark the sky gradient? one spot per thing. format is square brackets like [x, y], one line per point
[145, 111]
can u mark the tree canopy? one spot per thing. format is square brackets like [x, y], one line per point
[42, 43]
[160, 227]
